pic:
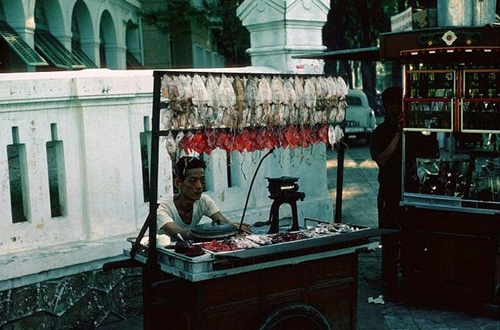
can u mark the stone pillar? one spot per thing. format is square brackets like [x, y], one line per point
[280, 29]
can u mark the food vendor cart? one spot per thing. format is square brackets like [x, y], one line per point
[450, 252]
[451, 84]
[303, 276]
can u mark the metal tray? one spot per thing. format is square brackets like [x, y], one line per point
[306, 243]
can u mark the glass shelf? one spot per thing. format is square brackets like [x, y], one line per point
[481, 83]
[464, 179]
[430, 83]
[480, 115]
[430, 114]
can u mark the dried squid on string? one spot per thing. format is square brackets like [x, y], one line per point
[170, 93]
[198, 142]
[278, 102]
[240, 105]
[200, 97]
[185, 142]
[335, 134]
[171, 146]
[187, 102]
[309, 101]
[263, 102]
[227, 103]
[299, 101]
[164, 89]
[225, 141]
[341, 111]
[213, 102]
[251, 91]
[173, 92]
[343, 89]
[211, 140]
[291, 99]
[291, 134]
[343, 103]
[323, 134]
[168, 119]
[181, 111]
[332, 97]
[332, 139]
[320, 109]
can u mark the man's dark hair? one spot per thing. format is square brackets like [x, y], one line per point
[391, 100]
[186, 163]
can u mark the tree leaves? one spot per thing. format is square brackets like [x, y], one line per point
[177, 16]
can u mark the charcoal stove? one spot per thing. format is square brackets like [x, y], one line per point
[283, 190]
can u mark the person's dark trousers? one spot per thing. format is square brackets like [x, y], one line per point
[390, 248]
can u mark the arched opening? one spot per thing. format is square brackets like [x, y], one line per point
[17, 54]
[82, 36]
[108, 42]
[134, 54]
[58, 56]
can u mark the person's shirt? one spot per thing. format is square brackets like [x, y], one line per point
[389, 176]
[167, 212]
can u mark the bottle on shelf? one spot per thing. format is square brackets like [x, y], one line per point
[492, 84]
[473, 85]
[431, 88]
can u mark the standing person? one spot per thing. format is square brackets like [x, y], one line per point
[178, 213]
[386, 151]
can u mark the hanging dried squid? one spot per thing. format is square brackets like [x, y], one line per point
[227, 102]
[200, 100]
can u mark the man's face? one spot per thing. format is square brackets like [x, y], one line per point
[193, 184]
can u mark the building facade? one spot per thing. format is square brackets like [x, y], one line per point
[52, 35]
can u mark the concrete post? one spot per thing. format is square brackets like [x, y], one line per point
[280, 29]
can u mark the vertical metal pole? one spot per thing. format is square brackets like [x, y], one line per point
[153, 173]
[151, 268]
[340, 182]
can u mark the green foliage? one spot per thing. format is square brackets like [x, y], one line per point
[233, 39]
[176, 16]
[358, 24]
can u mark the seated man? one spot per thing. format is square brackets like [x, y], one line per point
[179, 213]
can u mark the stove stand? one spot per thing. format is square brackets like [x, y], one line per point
[283, 190]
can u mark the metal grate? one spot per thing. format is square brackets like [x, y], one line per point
[19, 46]
[55, 52]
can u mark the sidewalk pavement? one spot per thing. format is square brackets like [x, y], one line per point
[359, 207]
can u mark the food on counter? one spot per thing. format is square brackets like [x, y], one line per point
[244, 243]
[240, 242]
[194, 251]
[219, 246]
[260, 239]
[330, 229]
[182, 246]
[287, 237]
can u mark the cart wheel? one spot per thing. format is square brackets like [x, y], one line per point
[295, 316]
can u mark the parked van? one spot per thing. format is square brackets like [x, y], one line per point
[360, 118]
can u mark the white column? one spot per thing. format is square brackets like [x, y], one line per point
[280, 29]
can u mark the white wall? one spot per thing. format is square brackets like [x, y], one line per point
[99, 116]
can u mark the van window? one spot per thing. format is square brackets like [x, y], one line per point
[353, 100]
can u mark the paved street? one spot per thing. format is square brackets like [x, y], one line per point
[359, 207]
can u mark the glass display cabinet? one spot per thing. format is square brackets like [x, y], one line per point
[458, 108]
[450, 230]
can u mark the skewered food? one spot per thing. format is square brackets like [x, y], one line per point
[253, 112]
